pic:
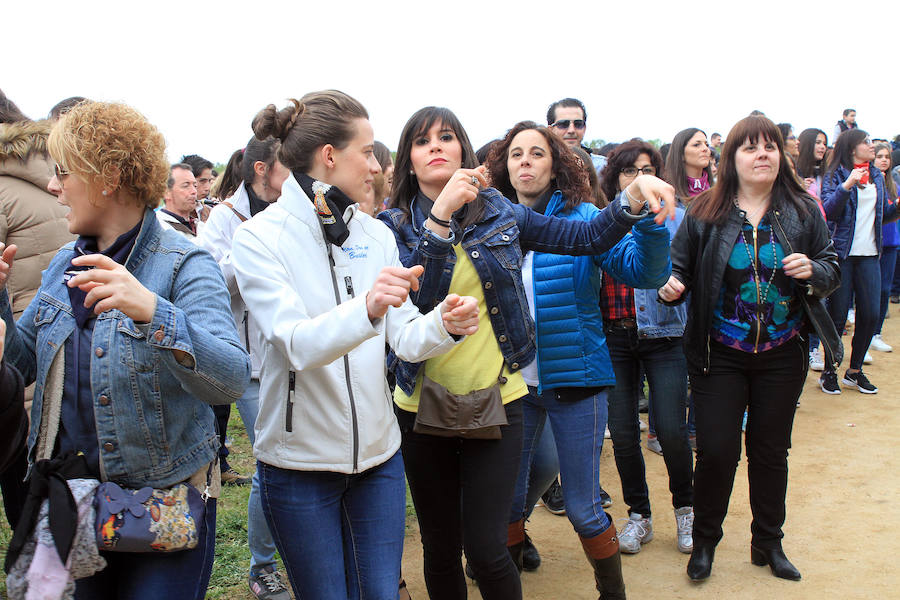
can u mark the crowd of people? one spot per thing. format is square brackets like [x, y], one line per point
[471, 323]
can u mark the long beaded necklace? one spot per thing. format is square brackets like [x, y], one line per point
[763, 295]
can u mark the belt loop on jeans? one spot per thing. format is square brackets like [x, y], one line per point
[622, 324]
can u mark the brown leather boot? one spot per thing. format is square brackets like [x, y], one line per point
[602, 552]
[515, 541]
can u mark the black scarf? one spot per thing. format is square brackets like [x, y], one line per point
[330, 204]
[118, 251]
[257, 204]
[48, 480]
[541, 205]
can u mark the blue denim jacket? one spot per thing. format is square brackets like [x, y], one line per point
[496, 246]
[655, 319]
[154, 423]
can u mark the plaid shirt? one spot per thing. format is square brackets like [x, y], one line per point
[616, 299]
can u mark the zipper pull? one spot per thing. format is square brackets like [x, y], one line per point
[348, 282]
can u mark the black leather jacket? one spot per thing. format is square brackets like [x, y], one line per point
[701, 250]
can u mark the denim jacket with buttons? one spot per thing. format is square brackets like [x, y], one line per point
[496, 245]
[154, 424]
[655, 319]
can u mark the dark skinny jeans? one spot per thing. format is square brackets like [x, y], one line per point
[462, 491]
[767, 385]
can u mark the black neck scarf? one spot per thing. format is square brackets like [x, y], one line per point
[330, 203]
[118, 251]
[257, 204]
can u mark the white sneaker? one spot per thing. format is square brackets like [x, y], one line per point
[653, 445]
[642, 425]
[851, 316]
[606, 434]
[867, 359]
[684, 524]
[636, 531]
[879, 344]
[816, 360]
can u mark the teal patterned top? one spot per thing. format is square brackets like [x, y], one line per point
[756, 310]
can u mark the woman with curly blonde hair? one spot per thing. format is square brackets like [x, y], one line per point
[129, 341]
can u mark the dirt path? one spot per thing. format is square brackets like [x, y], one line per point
[842, 530]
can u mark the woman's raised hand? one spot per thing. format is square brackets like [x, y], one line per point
[462, 188]
[673, 289]
[460, 314]
[6, 262]
[659, 196]
[112, 286]
[854, 178]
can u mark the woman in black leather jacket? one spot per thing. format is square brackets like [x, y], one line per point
[755, 253]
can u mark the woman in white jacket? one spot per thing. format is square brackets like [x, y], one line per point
[255, 177]
[324, 283]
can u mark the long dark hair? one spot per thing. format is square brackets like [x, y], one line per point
[568, 174]
[405, 186]
[844, 147]
[807, 165]
[714, 205]
[623, 157]
[676, 174]
[240, 166]
[889, 184]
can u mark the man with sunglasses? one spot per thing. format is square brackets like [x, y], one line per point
[567, 118]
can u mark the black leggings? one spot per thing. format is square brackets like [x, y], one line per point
[462, 491]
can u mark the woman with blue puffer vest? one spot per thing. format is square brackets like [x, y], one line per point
[857, 206]
[472, 240]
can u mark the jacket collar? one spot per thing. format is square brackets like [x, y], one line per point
[295, 201]
[147, 240]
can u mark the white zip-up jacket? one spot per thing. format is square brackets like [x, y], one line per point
[324, 399]
[216, 237]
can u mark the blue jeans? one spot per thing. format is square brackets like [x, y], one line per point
[888, 263]
[340, 536]
[578, 427]
[262, 546]
[544, 469]
[663, 361]
[860, 276]
[151, 576]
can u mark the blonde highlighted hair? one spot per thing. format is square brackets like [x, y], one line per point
[112, 146]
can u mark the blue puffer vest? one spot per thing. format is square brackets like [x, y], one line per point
[571, 345]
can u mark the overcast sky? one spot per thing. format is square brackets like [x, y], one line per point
[200, 71]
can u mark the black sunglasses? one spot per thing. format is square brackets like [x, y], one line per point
[564, 123]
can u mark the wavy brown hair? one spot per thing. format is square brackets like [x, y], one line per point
[714, 205]
[568, 174]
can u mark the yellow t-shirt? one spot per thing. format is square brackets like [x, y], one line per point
[474, 364]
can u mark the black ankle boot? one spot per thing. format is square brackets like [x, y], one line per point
[531, 559]
[777, 561]
[700, 565]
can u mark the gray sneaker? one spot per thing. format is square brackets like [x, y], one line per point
[267, 585]
[684, 523]
[637, 530]
[653, 445]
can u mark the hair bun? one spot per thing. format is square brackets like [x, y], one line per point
[277, 123]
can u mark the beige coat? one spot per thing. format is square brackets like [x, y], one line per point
[30, 217]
